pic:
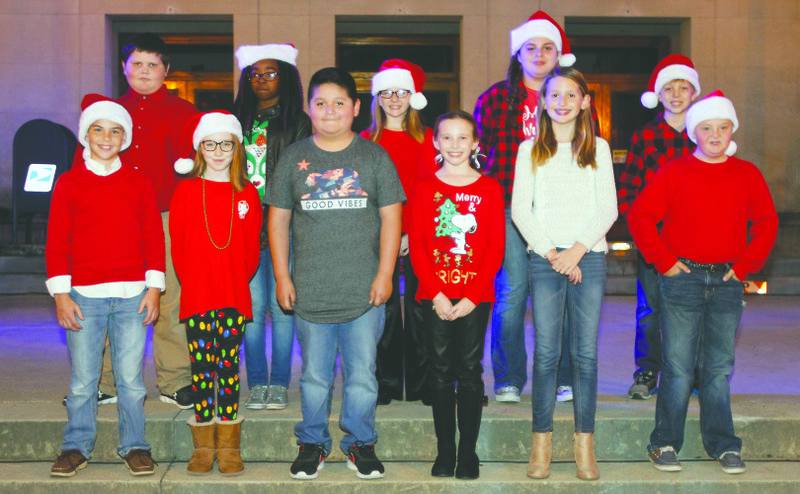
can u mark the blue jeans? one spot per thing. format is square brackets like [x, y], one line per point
[556, 298]
[700, 315]
[262, 291]
[356, 342]
[647, 347]
[509, 357]
[116, 317]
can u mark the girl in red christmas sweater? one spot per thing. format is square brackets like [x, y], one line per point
[215, 223]
[396, 126]
[457, 237]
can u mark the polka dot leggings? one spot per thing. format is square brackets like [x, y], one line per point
[215, 338]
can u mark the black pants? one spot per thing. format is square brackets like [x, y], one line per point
[455, 348]
[402, 355]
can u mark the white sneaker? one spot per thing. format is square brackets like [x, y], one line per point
[564, 393]
[507, 394]
[258, 398]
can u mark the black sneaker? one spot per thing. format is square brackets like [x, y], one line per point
[310, 460]
[181, 398]
[102, 399]
[361, 458]
[665, 459]
[645, 382]
[731, 462]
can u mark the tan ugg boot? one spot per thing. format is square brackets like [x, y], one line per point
[584, 456]
[202, 460]
[541, 453]
[229, 461]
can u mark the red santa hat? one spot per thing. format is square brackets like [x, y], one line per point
[404, 75]
[715, 105]
[200, 126]
[673, 67]
[541, 25]
[97, 107]
[247, 55]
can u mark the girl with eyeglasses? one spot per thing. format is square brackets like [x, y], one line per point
[396, 125]
[215, 223]
[269, 105]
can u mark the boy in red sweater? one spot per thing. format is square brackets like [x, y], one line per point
[105, 266]
[706, 202]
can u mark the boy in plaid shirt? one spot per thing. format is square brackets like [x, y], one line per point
[676, 85]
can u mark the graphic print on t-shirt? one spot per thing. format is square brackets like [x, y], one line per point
[529, 114]
[455, 225]
[338, 188]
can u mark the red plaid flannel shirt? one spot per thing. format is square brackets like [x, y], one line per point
[651, 146]
[500, 131]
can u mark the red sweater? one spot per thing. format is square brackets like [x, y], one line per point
[104, 229]
[705, 208]
[158, 120]
[414, 160]
[212, 278]
[457, 238]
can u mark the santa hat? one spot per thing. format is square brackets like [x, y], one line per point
[96, 107]
[541, 25]
[247, 55]
[200, 126]
[715, 105]
[673, 67]
[404, 75]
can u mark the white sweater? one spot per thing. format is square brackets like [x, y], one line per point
[562, 203]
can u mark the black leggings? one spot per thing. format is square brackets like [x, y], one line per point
[455, 348]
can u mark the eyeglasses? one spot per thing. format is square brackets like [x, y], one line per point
[266, 76]
[401, 93]
[211, 146]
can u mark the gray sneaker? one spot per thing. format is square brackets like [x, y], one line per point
[258, 398]
[278, 397]
[507, 394]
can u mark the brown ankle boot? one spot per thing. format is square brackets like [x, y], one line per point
[229, 461]
[202, 460]
[584, 456]
[541, 452]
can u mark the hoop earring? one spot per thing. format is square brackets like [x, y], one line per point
[438, 159]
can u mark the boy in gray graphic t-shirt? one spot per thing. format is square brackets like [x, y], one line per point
[342, 197]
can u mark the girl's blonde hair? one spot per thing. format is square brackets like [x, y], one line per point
[411, 123]
[238, 170]
[583, 141]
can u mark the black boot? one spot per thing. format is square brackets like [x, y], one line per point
[443, 403]
[470, 409]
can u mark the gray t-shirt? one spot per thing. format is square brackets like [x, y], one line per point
[334, 198]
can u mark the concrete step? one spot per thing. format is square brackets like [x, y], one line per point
[768, 425]
[773, 477]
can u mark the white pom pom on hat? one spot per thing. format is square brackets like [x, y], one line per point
[97, 107]
[247, 55]
[541, 25]
[200, 126]
[715, 105]
[671, 68]
[404, 75]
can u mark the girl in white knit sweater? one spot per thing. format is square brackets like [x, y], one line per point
[564, 202]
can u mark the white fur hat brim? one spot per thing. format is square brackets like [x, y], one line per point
[709, 108]
[247, 55]
[669, 73]
[105, 110]
[537, 28]
[215, 123]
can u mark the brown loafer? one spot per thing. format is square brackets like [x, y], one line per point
[68, 463]
[139, 462]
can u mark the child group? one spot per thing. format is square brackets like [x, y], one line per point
[320, 220]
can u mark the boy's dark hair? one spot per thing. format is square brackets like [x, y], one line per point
[148, 43]
[333, 75]
[290, 96]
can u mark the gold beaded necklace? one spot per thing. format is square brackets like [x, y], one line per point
[205, 216]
